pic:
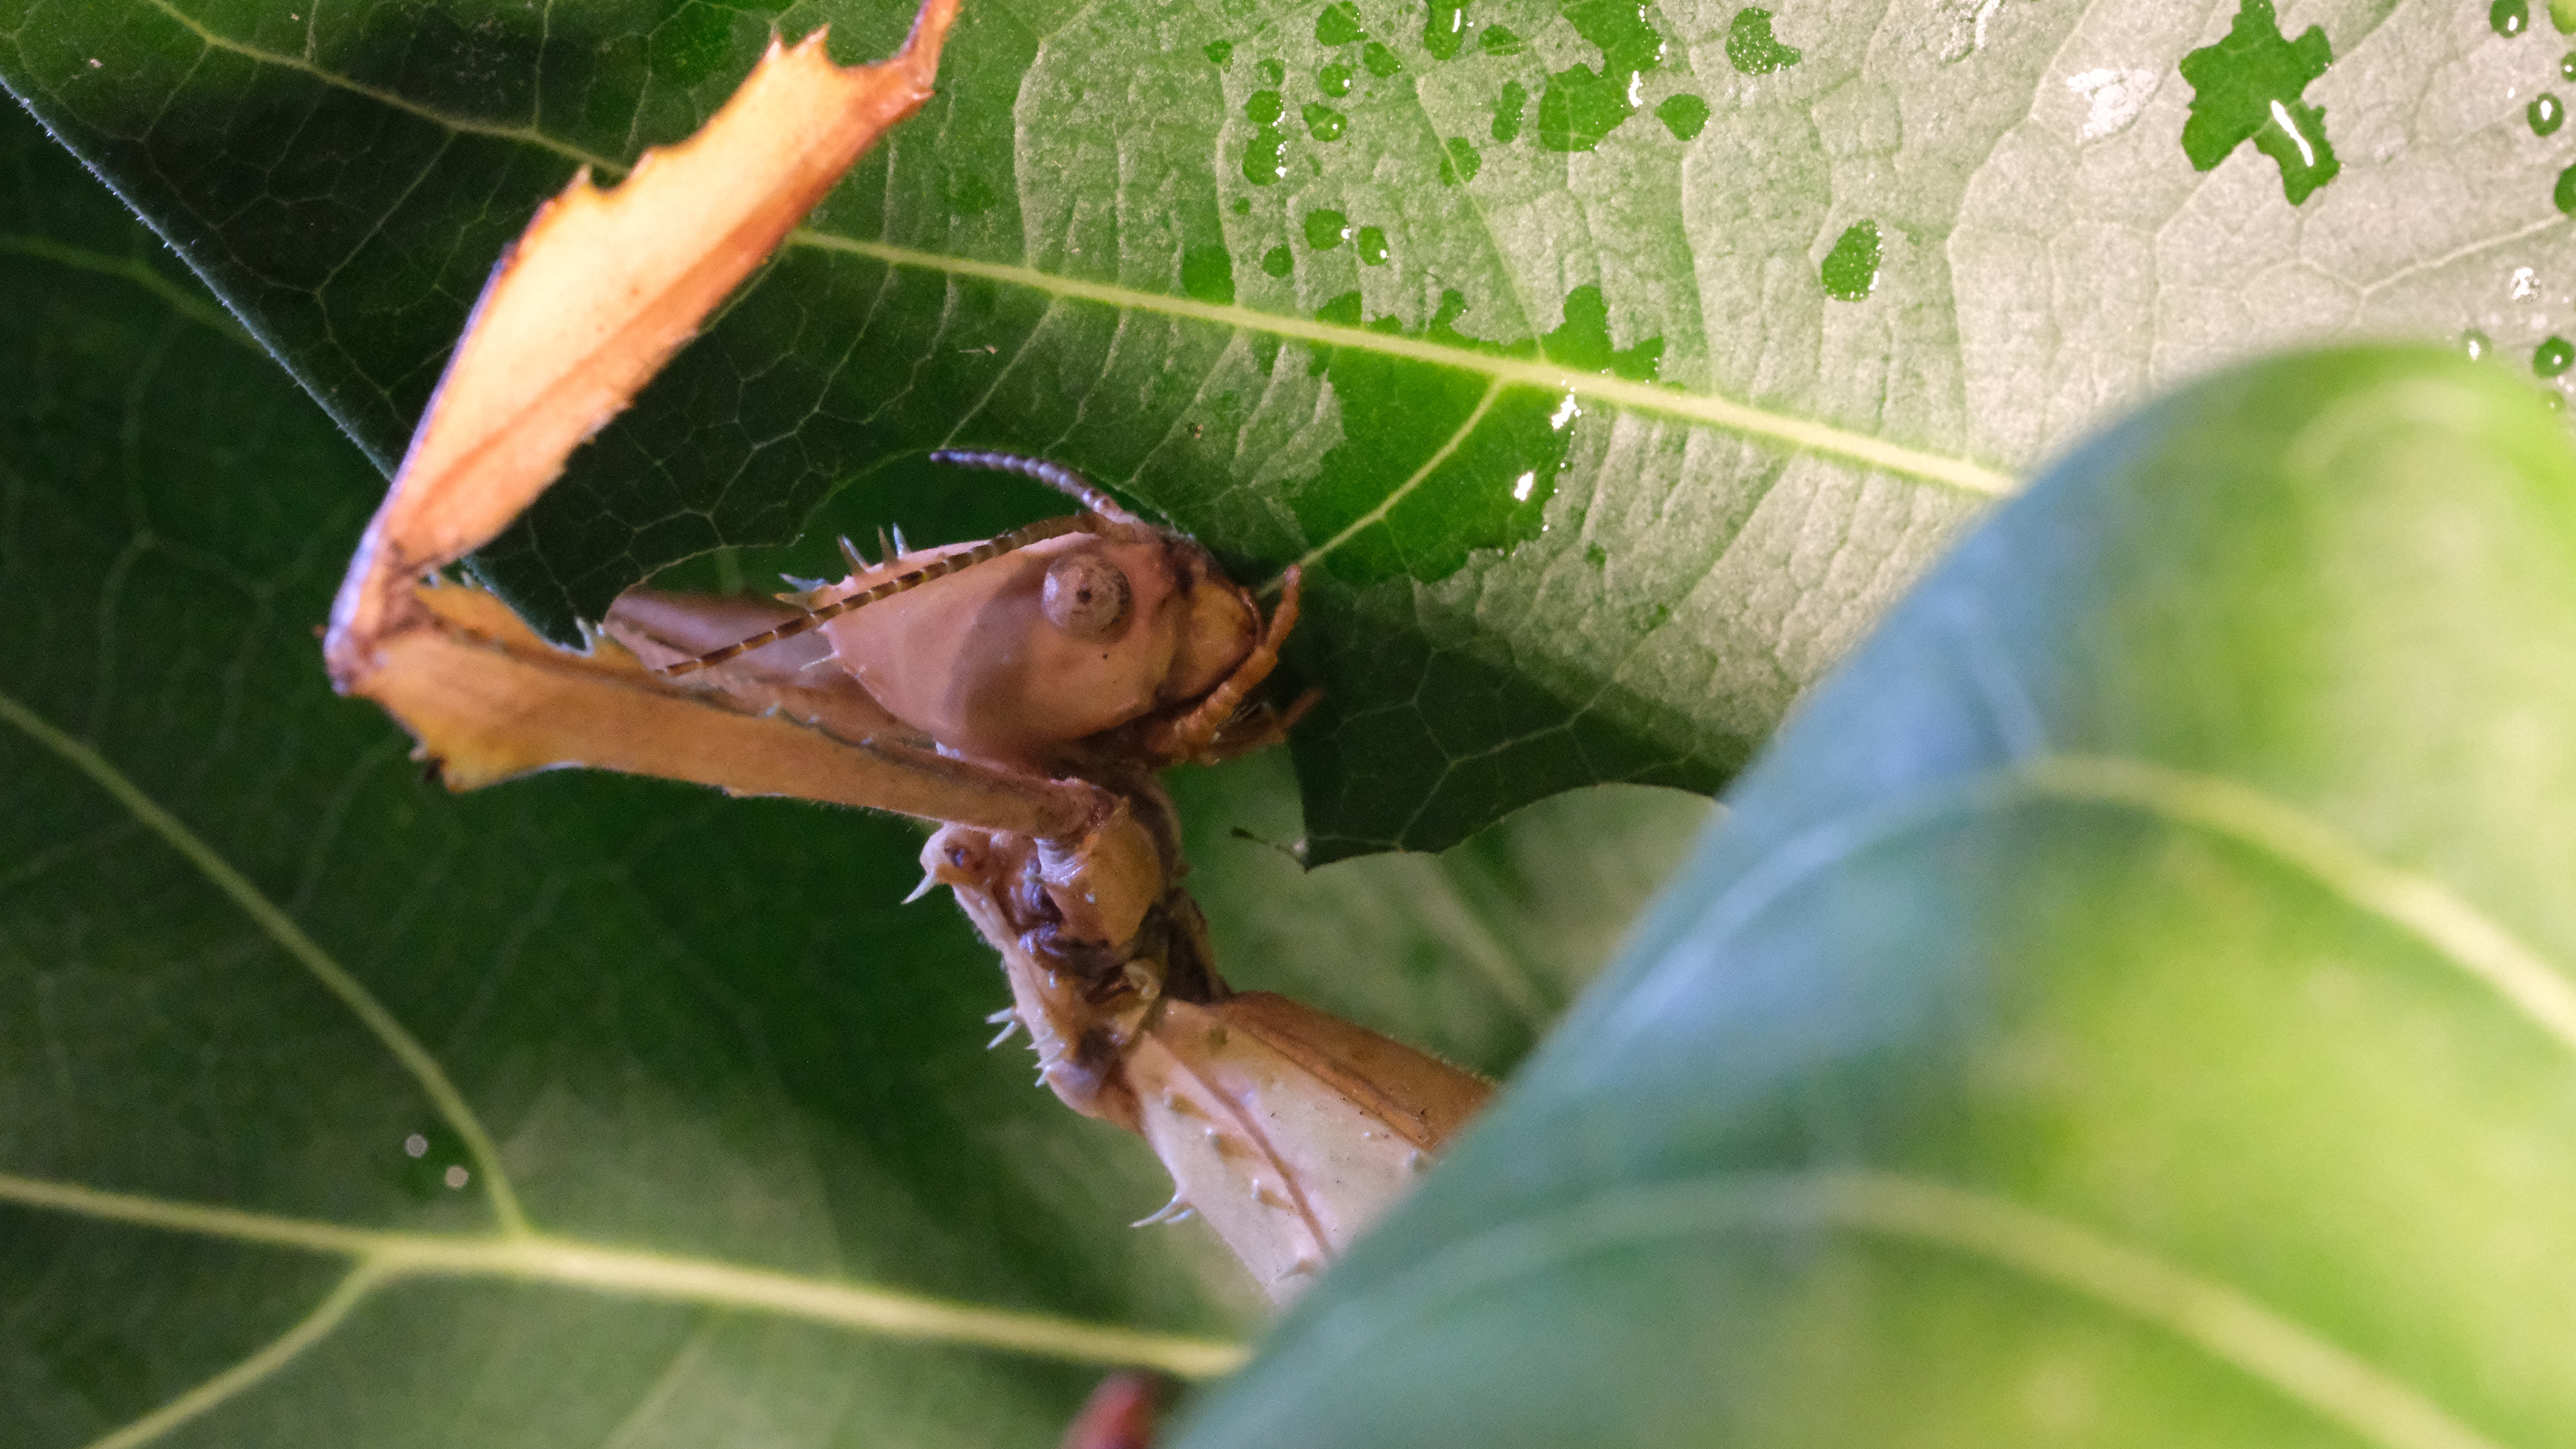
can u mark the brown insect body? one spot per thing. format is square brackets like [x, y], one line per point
[1023, 692]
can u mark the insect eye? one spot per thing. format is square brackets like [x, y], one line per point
[1086, 595]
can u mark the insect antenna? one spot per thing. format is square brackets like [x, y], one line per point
[991, 548]
[1053, 474]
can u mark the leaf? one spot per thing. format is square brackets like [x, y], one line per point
[265, 996]
[1524, 320]
[2131, 1003]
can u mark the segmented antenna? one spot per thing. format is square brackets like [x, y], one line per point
[1053, 474]
[991, 548]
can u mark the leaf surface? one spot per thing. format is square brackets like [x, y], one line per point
[2131, 1004]
[1616, 364]
[290, 1039]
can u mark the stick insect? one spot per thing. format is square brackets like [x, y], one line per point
[1022, 693]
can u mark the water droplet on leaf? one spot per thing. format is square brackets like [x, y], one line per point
[2553, 356]
[1326, 230]
[1380, 61]
[1508, 110]
[1372, 246]
[1207, 274]
[1683, 115]
[1339, 24]
[1219, 52]
[1751, 48]
[2509, 17]
[1485, 487]
[1459, 162]
[1850, 271]
[1278, 261]
[1445, 28]
[1323, 122]
[2246, 86]
[2547, 114]
[1265, 159]
[1500, 40]
[1334, 79]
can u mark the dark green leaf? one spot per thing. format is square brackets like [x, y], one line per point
[264, 993]
[2131, 1005]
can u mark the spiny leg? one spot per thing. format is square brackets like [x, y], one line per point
[991, 548]
[1102, 516]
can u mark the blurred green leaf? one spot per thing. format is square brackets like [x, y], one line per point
[1547, 331]
[265, 993]
[2130, 1005]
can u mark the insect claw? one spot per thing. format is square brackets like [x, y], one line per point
[928, 880]
[1007, 1013]
[1170, 1212]
[1184, 1215]
[1305, 1267]
[1009, 1029]
[850, 554]
[886, 547]
[899, 545]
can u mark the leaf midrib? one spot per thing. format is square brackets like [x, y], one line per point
[553, 1259]
[2539, 991]
[2279, 1352]
[1789, 431]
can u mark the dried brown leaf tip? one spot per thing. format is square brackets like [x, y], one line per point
[598, 293]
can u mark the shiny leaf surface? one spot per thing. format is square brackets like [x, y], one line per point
[1616, 364]
[2130, 1005]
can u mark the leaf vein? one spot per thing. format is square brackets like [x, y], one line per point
[248, 1374]
[2419, 905]
[2228, 1325]
[1799, 434]
[1726, 414]
[547, 1259]
[334, 978]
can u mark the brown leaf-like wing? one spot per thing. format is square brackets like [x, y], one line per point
[598, 293]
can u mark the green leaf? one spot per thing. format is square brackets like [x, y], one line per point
[1598, 463]
[2131, 1004]
[289, 1037]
